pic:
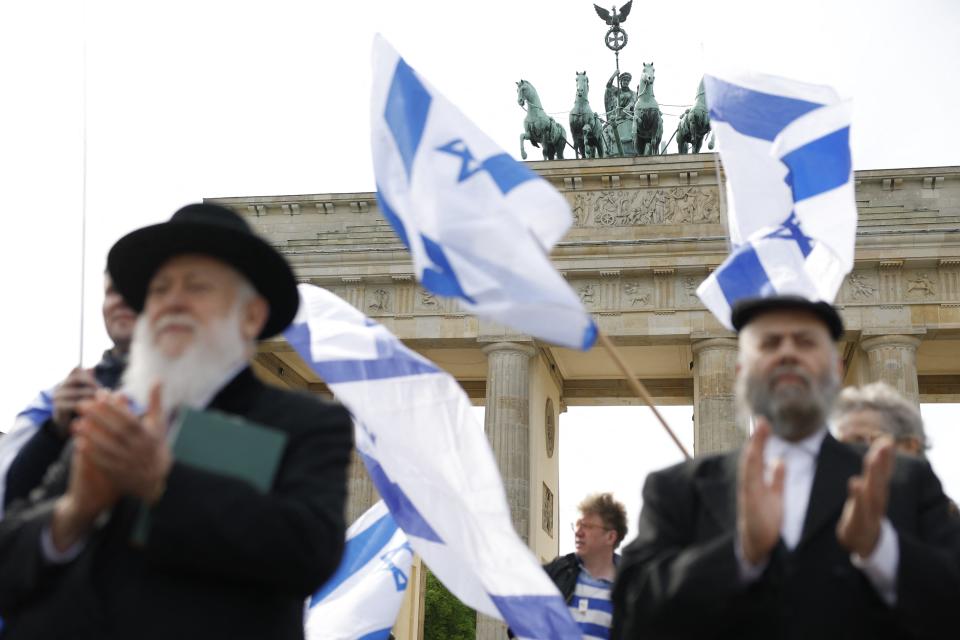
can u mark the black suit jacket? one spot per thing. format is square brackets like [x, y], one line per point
[221, 560]
[680, 577]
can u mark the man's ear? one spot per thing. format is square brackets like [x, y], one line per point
[255, 315]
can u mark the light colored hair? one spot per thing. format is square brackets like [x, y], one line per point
[613, 513]
[901, 418]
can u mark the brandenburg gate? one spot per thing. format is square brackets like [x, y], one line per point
[647, 231]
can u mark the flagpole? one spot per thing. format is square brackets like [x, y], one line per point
[83, 205]
[640, 390]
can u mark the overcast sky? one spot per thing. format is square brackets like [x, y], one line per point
[192, 99]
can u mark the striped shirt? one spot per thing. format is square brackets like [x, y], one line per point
[591, 607]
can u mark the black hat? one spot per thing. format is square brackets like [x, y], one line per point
[744, 311]
[213, 231]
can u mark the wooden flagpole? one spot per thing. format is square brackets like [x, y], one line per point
[640, 390]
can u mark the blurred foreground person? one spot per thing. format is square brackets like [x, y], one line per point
[862, 415]
[219, 558]
[797, 535]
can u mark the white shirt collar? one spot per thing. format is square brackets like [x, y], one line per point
[778, 447]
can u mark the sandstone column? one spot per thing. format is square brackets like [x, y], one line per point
[893, 359]
[714, 406]
[506, 422]
[361, 494]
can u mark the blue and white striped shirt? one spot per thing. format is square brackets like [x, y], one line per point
[591, 606]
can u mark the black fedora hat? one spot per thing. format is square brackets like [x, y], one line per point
[214, 231]
[747, 309]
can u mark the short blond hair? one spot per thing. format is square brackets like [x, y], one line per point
[612, 513]
[901, 417]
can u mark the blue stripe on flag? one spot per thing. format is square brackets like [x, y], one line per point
[742, 276]
[360, 550]
[403, 511]
[392, 217]
[382, 634]
[441, 278]
[820, 165]
[392, 361]
[553, 621]
[507, 173]
[408, 103]
[753, 113]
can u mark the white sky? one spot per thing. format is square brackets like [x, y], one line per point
[192, 99]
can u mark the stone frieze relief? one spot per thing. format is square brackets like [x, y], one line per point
[621, 208]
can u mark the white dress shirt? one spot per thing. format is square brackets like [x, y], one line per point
[800, 466]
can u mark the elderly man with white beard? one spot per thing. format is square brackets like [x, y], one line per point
[797, 535]
[220, 558]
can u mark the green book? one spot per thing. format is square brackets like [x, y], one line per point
[224, 444]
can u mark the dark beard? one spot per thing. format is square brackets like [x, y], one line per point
[796, 410]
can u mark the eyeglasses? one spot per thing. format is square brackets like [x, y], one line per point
[580, 524]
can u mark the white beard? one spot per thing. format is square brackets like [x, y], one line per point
[192, 378]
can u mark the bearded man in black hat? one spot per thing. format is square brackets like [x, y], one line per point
[220, 558]
[797, 535]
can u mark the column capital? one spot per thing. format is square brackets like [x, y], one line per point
[890, 340]
[706, 344]
[526, 349]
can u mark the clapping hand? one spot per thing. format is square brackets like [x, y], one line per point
[759, 502]
[859, 528]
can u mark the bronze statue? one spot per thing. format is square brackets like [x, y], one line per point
[647, 117]
[619, 97]
[538, 127]
[695, 124]
[616, 38]
[585, 124]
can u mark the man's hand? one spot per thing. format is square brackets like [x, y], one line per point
[78, 386]
[859, 528]
[759, 504]
[89, 493]
[131, 452]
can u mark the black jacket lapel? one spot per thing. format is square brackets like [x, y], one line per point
[835, 465]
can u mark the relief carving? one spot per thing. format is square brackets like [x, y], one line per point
[636, 294]
[676, 205]
[428, 298]
[860, 287]
[921, 286]
[690, 285]
[381, 300]
[587, 294]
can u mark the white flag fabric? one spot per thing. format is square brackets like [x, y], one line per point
[361, 600]
[791, 209]
[479, 224]
[432, 464]
[25, 426]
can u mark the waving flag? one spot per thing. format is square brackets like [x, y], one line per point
[431, 463]
[478, 224]
[362, 599]
[24, 427]
[791, 209]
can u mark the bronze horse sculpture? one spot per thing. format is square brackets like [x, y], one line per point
[694, 125]
[647, 117]
[538, 127]
[585, 125]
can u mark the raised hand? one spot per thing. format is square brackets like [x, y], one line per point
[131, 452]
[859, 528]
[79, 385]
[759, 503]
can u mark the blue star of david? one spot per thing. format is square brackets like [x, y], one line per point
[505, 172]
[790, 230]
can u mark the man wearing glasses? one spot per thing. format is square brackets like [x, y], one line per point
[585, 577]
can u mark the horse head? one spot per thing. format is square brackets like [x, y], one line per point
[648, 75]
[521, 99]
[701, 93]
[583, 84]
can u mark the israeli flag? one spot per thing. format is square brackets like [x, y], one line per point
[479, 224]
[432, 464]
[24, 427]
[362, 599]
[791, 209]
